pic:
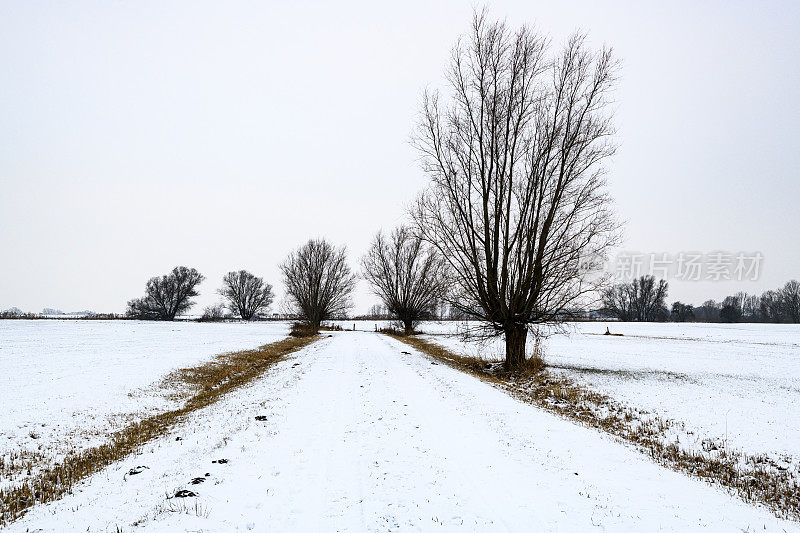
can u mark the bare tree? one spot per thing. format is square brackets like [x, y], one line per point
[642, 300]
[378, 312]
[517, 202]
[406, 274]
[769, 307]
[708, 312]
[790, 301]
[245, 294]
[167, 296]
[731, 310]
[318, 281]
[682, 312]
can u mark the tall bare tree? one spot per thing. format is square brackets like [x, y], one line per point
[318, 281]
[406, 274]
[516, 202]
[167, 296]
[245, 293]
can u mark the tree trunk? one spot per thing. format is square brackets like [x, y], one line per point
[408, 327]
[516, 336]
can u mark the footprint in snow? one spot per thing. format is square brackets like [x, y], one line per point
[184, 493]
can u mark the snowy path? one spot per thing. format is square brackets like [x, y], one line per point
[360, 436]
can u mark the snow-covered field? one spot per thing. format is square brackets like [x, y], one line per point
[65, 384]
[737, 384]
[364, 433]
[360, 436]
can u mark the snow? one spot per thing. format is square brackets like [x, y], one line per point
[67, 383]
[734, 383]
[360, 436]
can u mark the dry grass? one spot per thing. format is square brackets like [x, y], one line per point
[202, 386]
[303, 329]
[753, 478]
[19, 463]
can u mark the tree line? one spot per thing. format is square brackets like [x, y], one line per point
[171, 295]
[406, 274]
[644, 299]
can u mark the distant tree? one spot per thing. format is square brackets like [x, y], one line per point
[731, 310]
[682, 312]
[167, 296]
[408, 276]
[750, 306]
[245, 294]
[770, 307]
[378, 312]
[740, 307]
[618, 302]
[790, 301]
[213, 313]
[517, 203]
[708, 312]
[318, 281]
[642, 300]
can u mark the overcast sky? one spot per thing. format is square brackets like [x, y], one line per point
[136, 136]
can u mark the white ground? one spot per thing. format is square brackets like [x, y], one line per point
[734, 382]
[68, 383]
[360, 436]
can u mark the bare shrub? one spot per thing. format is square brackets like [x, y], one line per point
[213, 313]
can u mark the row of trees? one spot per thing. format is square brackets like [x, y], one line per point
[644, 299]
[408, 276]
[317, 278]
[781, 305]
[171, 295]
[516, 220]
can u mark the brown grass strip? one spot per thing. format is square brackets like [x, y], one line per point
[203, 385]
[761, 482]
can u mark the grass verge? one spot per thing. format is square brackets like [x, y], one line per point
[755, 479]
[201, 386]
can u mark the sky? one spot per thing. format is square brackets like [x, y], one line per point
[137, 136]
